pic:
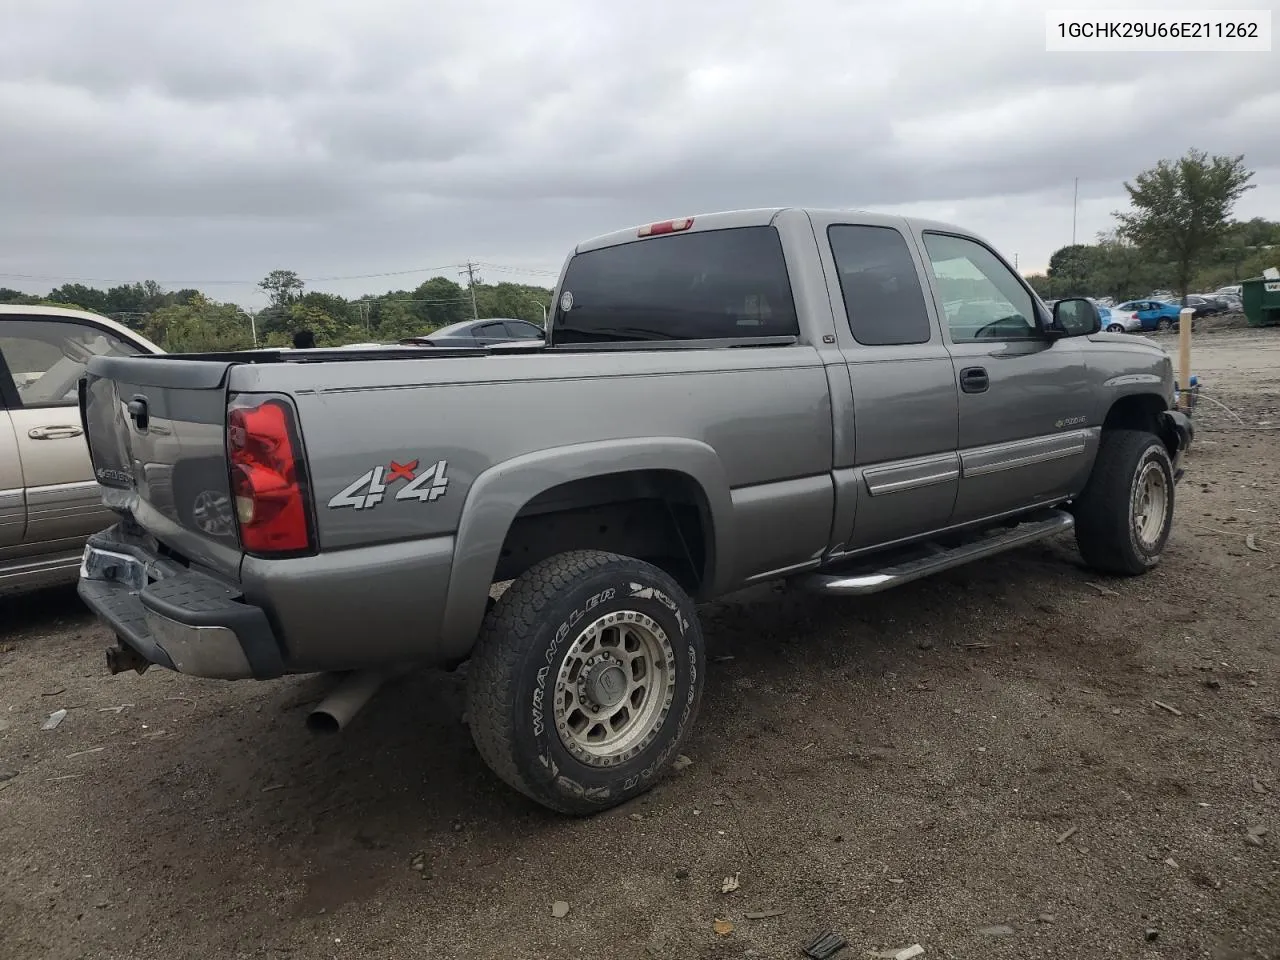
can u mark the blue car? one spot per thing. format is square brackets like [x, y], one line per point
[1154, 314]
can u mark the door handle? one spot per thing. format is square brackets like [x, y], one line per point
[974, 380]
[63, 431]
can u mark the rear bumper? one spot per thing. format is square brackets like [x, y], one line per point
[173, 616]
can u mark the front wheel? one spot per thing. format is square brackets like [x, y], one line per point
[1125, 513]
[586, 680]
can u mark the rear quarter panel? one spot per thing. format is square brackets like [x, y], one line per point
[510, 427]
[764, 411]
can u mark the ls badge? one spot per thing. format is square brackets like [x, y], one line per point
[370, 487]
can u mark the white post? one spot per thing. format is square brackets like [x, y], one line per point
[1184, 357]
[544, 309]
[253, 325]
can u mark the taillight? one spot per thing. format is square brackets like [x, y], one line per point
[666, 226]
[268, 479]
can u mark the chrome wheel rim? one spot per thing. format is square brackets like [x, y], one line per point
[615, 688]
[1150, 504]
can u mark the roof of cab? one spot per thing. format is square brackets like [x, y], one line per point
[763, 216]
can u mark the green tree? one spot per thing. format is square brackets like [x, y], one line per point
[284, 287]
[395, 319]
[1070, 269]
[78, 295]
[1041, 284]
[440, 302]
[1119, 269]
[1181, 209]
[199, 326]
[330, 331]
[8, 295]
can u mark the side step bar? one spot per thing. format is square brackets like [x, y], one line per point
[1038, 527]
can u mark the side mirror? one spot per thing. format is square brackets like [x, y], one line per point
[1076, 317]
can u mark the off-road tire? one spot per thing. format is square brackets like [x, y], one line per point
[525, 640]
[1106, 531]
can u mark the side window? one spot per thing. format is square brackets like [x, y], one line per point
[521, 331]
[881, 288]
[47, 358]
[982, 297]
[488, 331]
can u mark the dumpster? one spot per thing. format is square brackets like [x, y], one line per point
[1261, 300]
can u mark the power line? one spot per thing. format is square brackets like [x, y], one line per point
[438, 270]
[209, 283]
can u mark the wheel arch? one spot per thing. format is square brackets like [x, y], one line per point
[1135, 411]
[529, 485]
[1147, 412]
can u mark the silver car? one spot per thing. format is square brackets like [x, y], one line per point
[1122, 321]
[49, 500]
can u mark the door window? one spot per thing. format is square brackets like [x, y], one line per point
[522, 331]
[983, 298]
[882, 295]
[44, 359]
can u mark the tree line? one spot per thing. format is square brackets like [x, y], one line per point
[1178, 235]
[189, 320]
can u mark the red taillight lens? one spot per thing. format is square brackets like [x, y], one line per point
[267, 479]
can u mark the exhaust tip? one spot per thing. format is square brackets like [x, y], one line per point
[322, 721]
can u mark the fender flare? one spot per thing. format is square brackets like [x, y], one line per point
[500, 492]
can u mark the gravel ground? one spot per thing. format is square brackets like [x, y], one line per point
[1017, 759]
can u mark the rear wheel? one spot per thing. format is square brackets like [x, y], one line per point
[586, 680]
[1115, 328]
[1124, 516]
[1163, 324]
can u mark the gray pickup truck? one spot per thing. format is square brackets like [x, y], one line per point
[843, 400]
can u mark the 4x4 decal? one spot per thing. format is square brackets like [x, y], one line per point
[369, 489]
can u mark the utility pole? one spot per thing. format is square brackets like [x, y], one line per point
[470, 272]
[1075, 196]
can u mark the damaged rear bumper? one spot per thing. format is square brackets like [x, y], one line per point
[173, 616]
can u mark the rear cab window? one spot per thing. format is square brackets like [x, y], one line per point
[712, 285]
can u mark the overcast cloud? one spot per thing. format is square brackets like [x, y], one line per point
[215, 141]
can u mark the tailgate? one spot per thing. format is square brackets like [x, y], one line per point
[156, 428]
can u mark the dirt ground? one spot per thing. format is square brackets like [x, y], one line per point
[1018, 759]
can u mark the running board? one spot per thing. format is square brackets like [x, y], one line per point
[1038, 527]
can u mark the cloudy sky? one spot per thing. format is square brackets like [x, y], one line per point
[212, 141]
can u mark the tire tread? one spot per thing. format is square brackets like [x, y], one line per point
[504, 642]
[1102, 510]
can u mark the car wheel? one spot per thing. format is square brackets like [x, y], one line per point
[1115, 328]
[1163, 324]
[1125, 513]
[586, 680]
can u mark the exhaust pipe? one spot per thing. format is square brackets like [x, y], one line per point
[344, 701]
